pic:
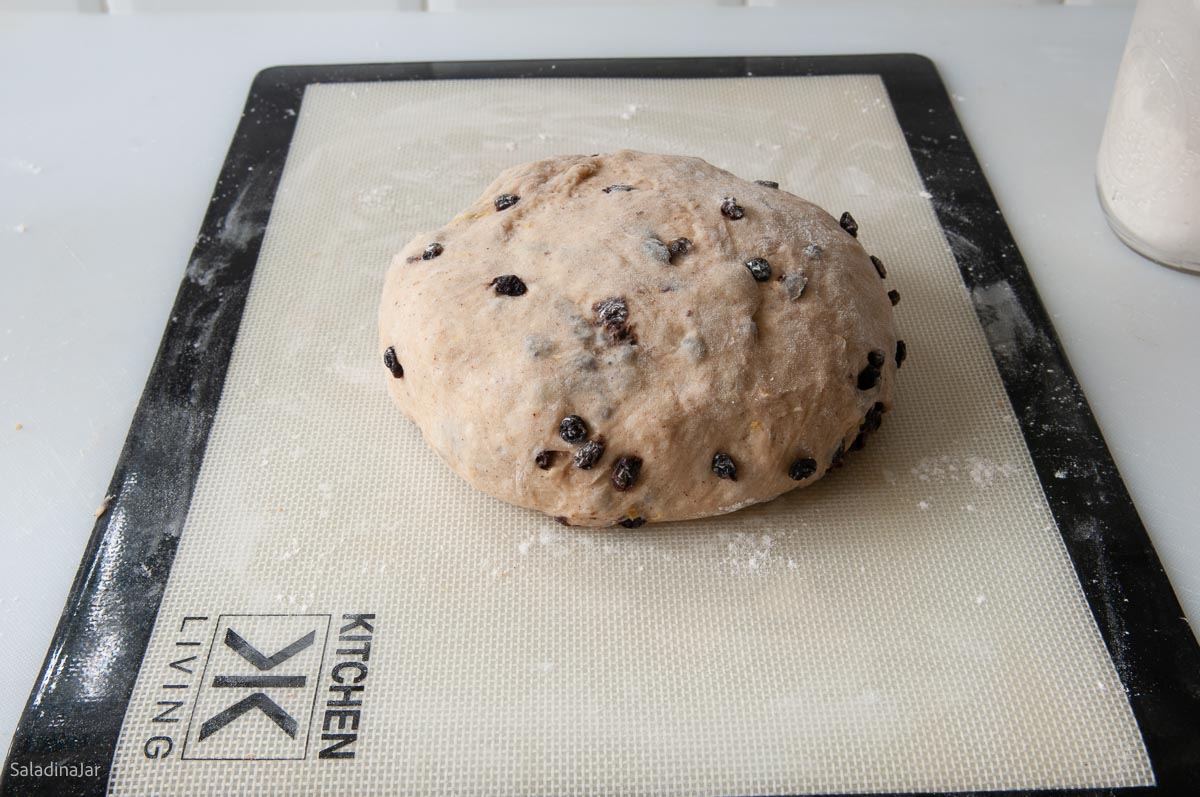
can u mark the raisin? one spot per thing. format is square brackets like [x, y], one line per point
[625, 473]
[508, 285]
[894, 296]
[759, 268]
[432, 251]
[879, 267]
[392, 364]
[901, 353]
[767, 183]
[724, 466]
[612, 188]
[849, 224]
[678, 247]
[589, 453]
[838, 455]
[794, 284]
[657, 250]
[612, 314]
[632, 522]
[572, 429]
[802, 468]
[730, 209]
[545, 459]
[561, 520]
[506, 201]
[868, 377]
[860, 442]
[874, 418]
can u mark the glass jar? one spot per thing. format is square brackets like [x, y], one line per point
[1148, 169]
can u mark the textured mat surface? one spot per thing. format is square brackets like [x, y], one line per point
[912, 622]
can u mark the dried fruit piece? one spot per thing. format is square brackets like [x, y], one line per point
[724, 466]
[894, 296]
[589, 453]
[859, 443]
[879, 267]
[562, 520]
[679, 247]
[508, 285]
[657, 250]
[759, 268]
[625, 472]
[432, 251]
[632, 522]
[612, 188]
[767, 183]
[730, 209]
[836, 461]
[545, 459]
[849, 224]
[868, 377]
[874, 418]
[901, 353]
[802, 468]
[392, 364]
[573, 429]
[506, 201]
[794, 284]
[612, 314]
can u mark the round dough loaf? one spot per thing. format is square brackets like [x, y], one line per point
[565, 291]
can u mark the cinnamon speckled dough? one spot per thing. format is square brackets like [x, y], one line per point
[708, 361]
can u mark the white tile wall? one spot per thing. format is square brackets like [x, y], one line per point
[150, 6]
[52, 5]
[956, 3]
[473, 5]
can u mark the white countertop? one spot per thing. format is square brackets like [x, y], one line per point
[115, 128]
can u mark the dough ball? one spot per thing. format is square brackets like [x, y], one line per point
[631, 338]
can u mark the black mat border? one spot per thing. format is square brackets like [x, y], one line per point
[74, 716]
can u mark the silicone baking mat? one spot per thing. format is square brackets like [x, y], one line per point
[313, 604]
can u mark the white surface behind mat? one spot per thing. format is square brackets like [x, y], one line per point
[910, 623]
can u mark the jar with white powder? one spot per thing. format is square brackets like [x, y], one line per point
[1148, 169]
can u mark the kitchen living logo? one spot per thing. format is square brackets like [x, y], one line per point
[270, 688]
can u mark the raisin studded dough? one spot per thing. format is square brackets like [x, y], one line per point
[704, 383]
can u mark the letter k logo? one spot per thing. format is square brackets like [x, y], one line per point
[258, 700]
